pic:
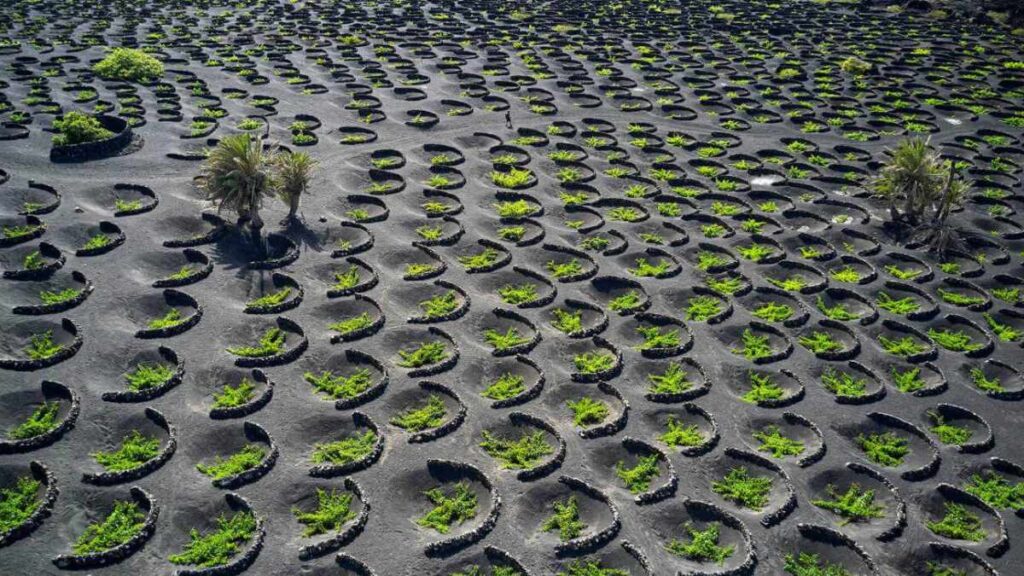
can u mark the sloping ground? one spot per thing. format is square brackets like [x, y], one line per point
[666, 277]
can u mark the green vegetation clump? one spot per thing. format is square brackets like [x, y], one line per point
[148, 375]
[78, 128]
[245, 459]
[338, 386]
[341, 452]
[169, 320]
[804, 564]
[774, 442]
[672, 381]
[591, 568]
[120, 526]
[567, 321]
[902, 273]
[429, 415]
[423, 355]
[903, 347]
[886, 449]
[351, 325]
[50, 298]
[936, 569]
[703, 545]
[984, 383]
[234, 396]
[755, 346]
[594, 362]
[480, 260]
[271, 343]
[347, 279]
[333, 510]
[854, 505]
[271, 299]
[838, 312]
[440, 305]
[524, 452]
[762, 389]
[41, 346]
[129, 64]
[679, 434]
[42, 420]
[743, 489]
[901, 307]
[655, 338]
[773, 312]
[18, 502]
[454, 507]
[625, 302]
[843, 384]
[135, 450]
[96, 242]
[908, 381]
[954, 340]
[958, 299]
[505, 341]
[793, 283]
[587, 412]
[476, 570]
[700, 308]
[948, 433]
[959, 523]
[514, 178]
[1005, 332]
[638, 478]
[566, 520]
[997, 491]
[820, 342]
[521, 294]
[506, 386]
[845, 274]
[217, 547]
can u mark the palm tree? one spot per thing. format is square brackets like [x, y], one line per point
[237, 175]
[294, 172]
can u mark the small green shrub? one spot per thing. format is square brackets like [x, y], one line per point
[429, 415]
[518, 294]
[638, 478]
[514, 178]
[271, 299]
[333, 510]
[984, 383]
[567, 321]
[655, 338]
[645, 269]
[42, 420]
[901, 307]
[820, 342]
[755, 346]
[135, 450]
[338, 386]
[955, 340]
[703, 545]
[170, 319]
[958, 299]
[1005, 332]
[41, 346]
[96, 242]
[129, 64]
[908, 381]
[506, 386]
[271, 343]
[423, 355]
[245, 459]
[743, 489]
[481, 260]
[347, 279]
[505, 341]
[707, 259]
[843, 384]
[773, 312]
[440, 305]
[948, 433]
[762, 389]
[51, 298]
[18, 502]
[793, 283]
[805, 564]
[594, 362]
[756, 252]
[524, 452]
[845, 274]
[120, 526]
[959, 523]
[679, 434]
[565, 519]
[352, 324]
[700, 308]
[903, 347]
[587, 412]
[234, 396]
[591, 568]
[340, 452]
[838, 312]
[78, 128]
[854, 505]
[886, 449]
[219, 546]
[672, 381]
[776, 444]
[997, 491]
[629, 301]
[149, 375]
[454, 507]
